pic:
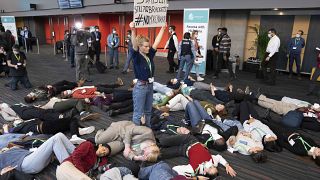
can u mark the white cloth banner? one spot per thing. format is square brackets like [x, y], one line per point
[198, 19]
[150, 13]
[9, 23]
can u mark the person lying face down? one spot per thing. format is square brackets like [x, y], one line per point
[201, 162]
[138, 142]
[244, 144]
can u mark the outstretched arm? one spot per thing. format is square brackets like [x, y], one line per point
[159, 37]
[133, 36]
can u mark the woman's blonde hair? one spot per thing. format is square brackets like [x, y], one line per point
[141, 39]
[194, 33]
[154, 153]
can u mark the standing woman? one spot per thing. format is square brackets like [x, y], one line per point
[194, 38]
[143, 66]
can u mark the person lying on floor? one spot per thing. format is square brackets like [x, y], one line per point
[179, 102]
[91, 91]
[84, 161]
[295, 142]
[305, 118]
[34, 162]
[30, 112]
[7, 113]
[278, 106]
[201, 162]
[159, 171]
[118, 173]
[45, 92]
[63, 105]
[176, 84]
[246, 145]
[37, 126]
[138, 142]
[286, 99]
[164, 124]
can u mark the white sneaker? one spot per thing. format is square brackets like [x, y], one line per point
[76, 140]
[200, 78]
[87, 130]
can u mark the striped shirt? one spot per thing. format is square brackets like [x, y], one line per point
[225, 44]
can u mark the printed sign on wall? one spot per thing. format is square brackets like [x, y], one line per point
[198, 19]
[9, 23]
[150, 13]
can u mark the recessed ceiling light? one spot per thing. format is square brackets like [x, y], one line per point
[275, 9]
[281, 13]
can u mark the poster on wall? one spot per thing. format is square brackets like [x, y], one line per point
[9, 23]
[150, 13]
[198, 19]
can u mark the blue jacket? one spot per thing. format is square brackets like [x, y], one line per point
[295, 46]
[13, 157]
[113, 38]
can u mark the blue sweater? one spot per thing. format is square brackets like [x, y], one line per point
[13, 157]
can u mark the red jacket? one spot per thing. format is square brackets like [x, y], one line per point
[84, 157]
[84, 92]
[197, 155]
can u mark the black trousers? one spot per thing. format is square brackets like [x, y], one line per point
[244, 110]
[97, 50]
[269, 69]
[4, 69]
[176, 145]
[214, 64]
[29, 44]
[227, 62]
[62, 86]
[30, 112]
[107, 88]
[121, 105]
[78, 104]
[16, 175]
[121, 95]
[49, 127]
[170, 58]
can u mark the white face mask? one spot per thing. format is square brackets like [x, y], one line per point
[69, 92]
[15, 52]
[219, 33]
[270, 35]
[114, 32]
[298, 35]
[97, 30]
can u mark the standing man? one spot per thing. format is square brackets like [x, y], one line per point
[27, 35]
[81, 44]
[294, 49]
[130, 52]
[96, 42]
[17, 62]
[172, 45]
[72, 46]
[113, 45]
[224, 53]
[215, 52]
[67, 43]
[271, 57]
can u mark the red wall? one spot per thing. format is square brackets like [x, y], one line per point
[119, 21]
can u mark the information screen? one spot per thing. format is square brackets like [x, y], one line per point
[68, 4]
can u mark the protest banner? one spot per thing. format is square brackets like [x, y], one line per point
[198, 19]
[150, 13]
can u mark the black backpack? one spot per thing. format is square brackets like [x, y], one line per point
[100, 67]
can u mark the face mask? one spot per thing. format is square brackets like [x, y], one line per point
[270, 35]
[15, 52]
[25, 29]
[97, 30]
[298, 35]
[69, 92]
[114, 32]
[219, 33]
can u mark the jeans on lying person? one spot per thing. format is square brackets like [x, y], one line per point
[226, 124]
[5, 139]
[58, 144]
[163, 89]
[159, 171]
[195, 113]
